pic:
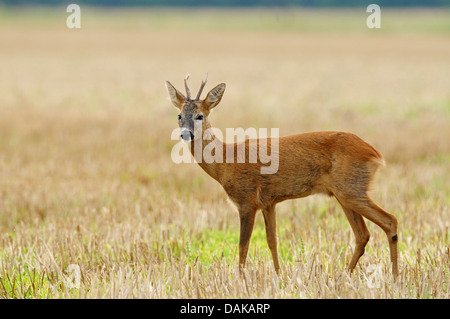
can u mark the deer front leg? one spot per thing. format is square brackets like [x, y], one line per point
[247, 218]
[271, 234]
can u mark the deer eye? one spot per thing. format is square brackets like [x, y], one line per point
[200, 118]
[179, 117]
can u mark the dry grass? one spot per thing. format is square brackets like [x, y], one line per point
[86, 176]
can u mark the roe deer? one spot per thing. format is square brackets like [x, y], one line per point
[339, 164]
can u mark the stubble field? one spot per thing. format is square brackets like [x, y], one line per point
[92, 206]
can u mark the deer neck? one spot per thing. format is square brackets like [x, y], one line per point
[206, 145]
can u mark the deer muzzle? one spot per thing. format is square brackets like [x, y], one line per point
[186, 135]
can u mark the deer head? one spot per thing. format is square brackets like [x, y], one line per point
[193, 118]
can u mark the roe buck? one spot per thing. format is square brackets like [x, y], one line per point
[339, 164]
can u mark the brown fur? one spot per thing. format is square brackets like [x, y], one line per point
[338, 164]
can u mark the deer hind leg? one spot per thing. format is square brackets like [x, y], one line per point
[390, 228]
[361, 232]
[271, 233]
[367, 208]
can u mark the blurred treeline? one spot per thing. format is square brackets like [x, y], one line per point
[232, 3]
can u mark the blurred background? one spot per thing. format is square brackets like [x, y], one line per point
[85, 118]
[241, 3]
[86, 109]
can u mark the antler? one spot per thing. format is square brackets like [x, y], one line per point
[201, 87]
[188, 93]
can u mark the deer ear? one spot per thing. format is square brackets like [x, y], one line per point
[176, 97]
[214, 96]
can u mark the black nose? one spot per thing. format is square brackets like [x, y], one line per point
[187, 135]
